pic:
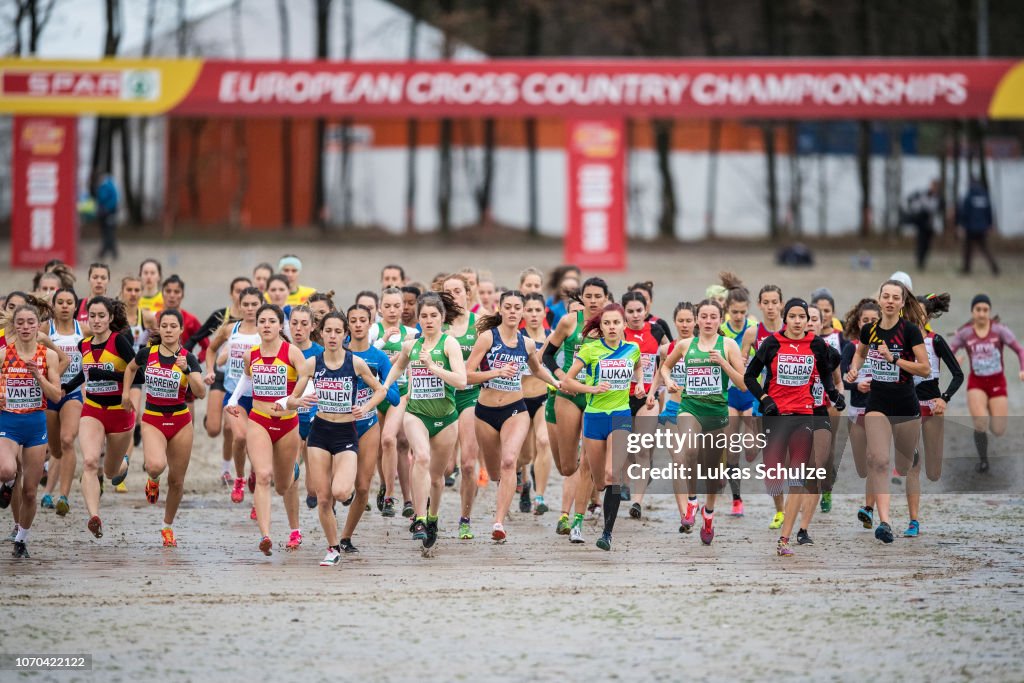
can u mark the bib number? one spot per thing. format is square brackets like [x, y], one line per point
[163, 383]
[425, 385]
[881, 369]
[22, 394]
[617, 372]
[703, 380]
[794, 370]
[334, 395]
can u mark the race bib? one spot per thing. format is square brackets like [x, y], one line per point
[618, 372]
[333, 395]
[794, 370]
[363, 396]
[514, 383]
[236, 360]
[818, 393]
[74, 362]
[269, 381]
[985, 361]
[881, 369]
[163, 383]
[678, 373]
[99, 386]
[22, 394]
[647, 363]
[424, 385]
[703, 380]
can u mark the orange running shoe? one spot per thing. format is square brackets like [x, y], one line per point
[481, 478]
[96, 526]
[152, 490]
[168, 535]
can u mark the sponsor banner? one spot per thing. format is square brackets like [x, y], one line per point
[595, 237]
[725, 88]
[43, 170]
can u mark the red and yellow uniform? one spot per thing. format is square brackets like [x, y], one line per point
[103, 366]
[166, 389]
[273, 378]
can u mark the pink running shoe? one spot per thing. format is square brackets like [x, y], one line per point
[737, 508]
[238, 492]
[265, 546]
[294, 541]
[252, 513]
[691, 516]
[707, 529]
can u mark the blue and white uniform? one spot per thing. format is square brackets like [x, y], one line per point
[68, 343]
[380, 365]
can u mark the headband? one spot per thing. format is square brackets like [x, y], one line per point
[289, 261]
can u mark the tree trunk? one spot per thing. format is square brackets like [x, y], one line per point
[412, 128]
[864, 175]
[444, 177]
[977, 132]
[284, 26]
[348, 29]
[483, 192]
[533, 45]
[768, 133]
[102, 154]
[957, 155]
[663, 145]
[323, 13]
[796, 182]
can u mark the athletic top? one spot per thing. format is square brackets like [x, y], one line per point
[467, 341]
[137, 334]
[986, 353]
[166, 384]
[103, 366]
[212, 324]
[3, 339]
[704, 380]
[22, 392]
[660, 324]
[238, 346]
[335, 389]
[928, 387]
[648, 338]
[726, 329]
[429, 395]
[273, 378]
[817, 388]
[300, 295]
[68, 343]
[153, 303]
[614, 366]
[379, 365]
[500, 355]
[306, 414]
[575, 342]
[530, 340]
[392, 346]
[678, 371]
[789, 366]
[762, 334]
[858, 399]
[888, 380]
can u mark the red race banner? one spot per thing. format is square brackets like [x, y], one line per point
[595, 237]
[43, 211]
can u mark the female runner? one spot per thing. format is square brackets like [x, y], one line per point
[301, 327]
[333, 442]
[703, 404]
[151, 274]
[499, 355]
[983, 339]
[99, 281]
[895, 348]
[271, 438]
[613, 365]
[436, 371]
[741, 403]
[537, 449]
[277, 295]
[29, 372]
[866, 313]
[140, 323]
[169, 372]
[261, 275]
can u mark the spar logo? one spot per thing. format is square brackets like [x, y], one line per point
[109, 84]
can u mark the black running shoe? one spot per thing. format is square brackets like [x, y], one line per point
[449, 480]
[883, 532]
[803, 538]
[137, 435]
[389, 508]
[380, 499]
[348, 502]
[20, 550]
[635, 511]
[431, 534]
[419, 531]
[6, 493]
[311, 501]
[407, 509]
[525, 503]
[980, 468]
[346, 546]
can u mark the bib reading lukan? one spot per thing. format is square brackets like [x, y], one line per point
[612, 365]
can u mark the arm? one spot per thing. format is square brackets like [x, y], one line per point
[455, 377]
[748, 340]
[857, 362]
[638, 376]
[949, 359]
[379, 392]
[219, 338]
[823, 359]
[303, 366]
[401, 362]
[537, 368]
[129, 377]
[1010, 340]
[733, 364]
[195, 376]
[569, 380]
[50, 382]
[473, 373]
[761, 359]
[549, 352]
[670, 362]
[62, 360]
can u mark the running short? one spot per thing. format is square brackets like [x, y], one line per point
[709, 421]
[897, 408]
[385, 405]
[169, 424]
[533, 403]
[75, 395]
[244, 402]
[363, 426]
[466, 399]
[333, 437]
[549, 409]
[994, 386]
[114, 420]
[496, 416]
[789, 444]
[435, 425]
[821, 420]
[599, 426]
[578, 400]
[670, 413]
[25, 429]
[304, 427]
[635, 404]
[856, 415]
[740, 400]
[276, 427]
[218, 381]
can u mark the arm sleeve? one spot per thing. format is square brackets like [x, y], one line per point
[667, 333]
[394, 397]
[1010, 340]
[845, 361]
[209, 327]
[550, 357]
[243, 387]
[124, 348]
[914, 336]
[75, 382]
[193, 363]
[957, 342]
[142, 357]
[761, 359]
[946, 356]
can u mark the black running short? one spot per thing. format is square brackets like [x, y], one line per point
[333, 437]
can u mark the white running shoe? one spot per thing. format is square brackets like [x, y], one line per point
[332, 558]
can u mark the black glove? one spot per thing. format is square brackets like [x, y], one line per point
[768, 407]
[839, 401]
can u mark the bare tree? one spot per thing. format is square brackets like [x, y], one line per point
[444, 151]
[863, 21]
[715, 131]
[238, 128]
[412, 127]
[323, 13]
[348, 30]
[284, 28]
[533, 48]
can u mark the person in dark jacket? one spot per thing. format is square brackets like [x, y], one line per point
[923, 209]
[107, 201]
[974, 216]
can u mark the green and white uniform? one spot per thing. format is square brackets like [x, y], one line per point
[391, 348]
[467, 398]
[431, 399]
[570, 349]
[706, 386]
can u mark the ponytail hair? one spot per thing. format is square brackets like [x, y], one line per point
[593, 325]
[489, 322]
[327, 297]
[735, 291]
[935, 304]
[851, 322]
[118, 315]
[443, 302]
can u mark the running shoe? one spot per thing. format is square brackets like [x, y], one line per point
[389, 507]
[683, 529]
[6, 493]
[519, 481]
[266, 546]
[594, 510]
[431, 534]
[121, 488]
[252, 512]
[100, 477]
[826, 501]
[449, 480]
[783, 549]
[294, 540]
[348, 501]
[605, 542]
[777, 520]
[296, 471]
[346, 546]
[914, 530]
[419, 530]
[119, 479]
[332, 558]
[63, 507]
[498, 534]
[737, 508]
[137, 435]
[707, 529]
[539, 506]
[562, 528]
[251, 481]
[883, 532]
[465, 532]
[624, 493]
[47, 502]
[226, 479]
[238, 492]
[525, 504]
[481, 478]
[95, 526]
[311, 501]
[167, 534]
[380, 498]
[982, 466]
[14, 534]
[407, 509]
[152, 490]
[866, 517]
[635, 511]
[576, 533]
[804, 538]
[690, 518]
[20, 550]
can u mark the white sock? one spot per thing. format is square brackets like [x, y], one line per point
[225, 465]
[22, 535]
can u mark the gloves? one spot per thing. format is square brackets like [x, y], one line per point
[839, 401]
[768, 407]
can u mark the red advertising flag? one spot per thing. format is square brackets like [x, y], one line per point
[43, 212]
[595, 237]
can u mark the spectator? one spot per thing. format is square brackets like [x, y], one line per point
[107, 201]
[975, 218]
[923, 207]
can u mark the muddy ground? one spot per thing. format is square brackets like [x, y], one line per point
[660, 606]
